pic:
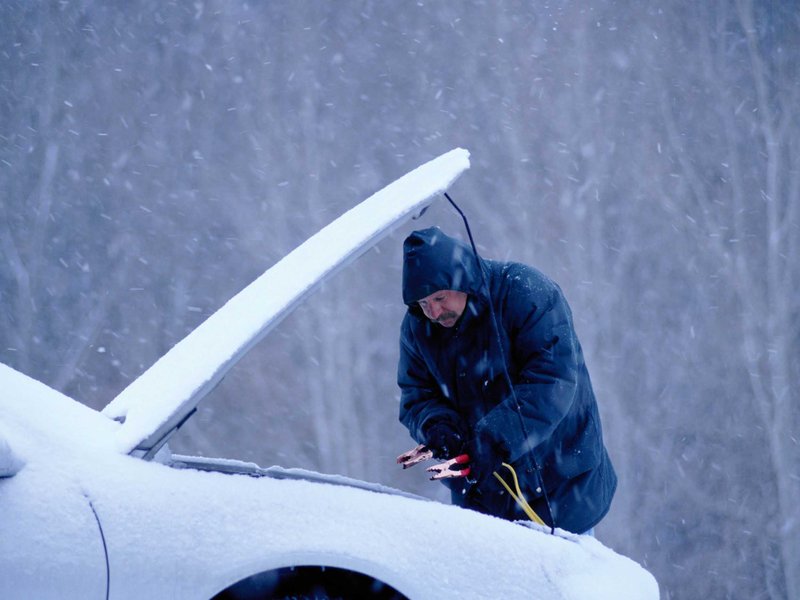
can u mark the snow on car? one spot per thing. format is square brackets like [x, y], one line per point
[85, 513]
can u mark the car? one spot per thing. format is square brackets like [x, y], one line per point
[94, 505]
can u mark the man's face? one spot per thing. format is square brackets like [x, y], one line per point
[444, 307]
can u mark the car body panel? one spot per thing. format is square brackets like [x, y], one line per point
[48, 533]
[44, 509]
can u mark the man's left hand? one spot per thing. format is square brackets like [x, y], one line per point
[444, 440]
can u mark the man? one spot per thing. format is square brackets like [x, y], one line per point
[518, 393]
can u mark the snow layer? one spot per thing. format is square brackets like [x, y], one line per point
[193, 366]
[10, 463]
[188, 534]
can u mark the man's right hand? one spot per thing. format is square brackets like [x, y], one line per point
[444, 440]
[486, 455]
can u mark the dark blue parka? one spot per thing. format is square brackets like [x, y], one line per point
[457, 374]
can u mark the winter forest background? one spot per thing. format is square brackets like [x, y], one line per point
[155, 157]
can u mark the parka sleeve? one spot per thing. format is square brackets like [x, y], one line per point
[421, 400]
[545, 347]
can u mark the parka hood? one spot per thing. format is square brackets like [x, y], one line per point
[433, 261]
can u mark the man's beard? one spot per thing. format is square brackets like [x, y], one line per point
[451, 316]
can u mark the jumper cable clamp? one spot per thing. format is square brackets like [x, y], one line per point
[448, 469]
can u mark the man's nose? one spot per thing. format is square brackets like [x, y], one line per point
[435, 311]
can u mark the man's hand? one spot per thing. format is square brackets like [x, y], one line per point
[482, 465]
[485, 454]
[444, 440]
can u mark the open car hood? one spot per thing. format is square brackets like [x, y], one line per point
[159, 401]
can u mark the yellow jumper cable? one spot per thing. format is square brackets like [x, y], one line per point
[518, 495]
